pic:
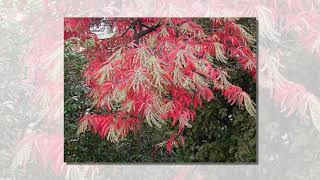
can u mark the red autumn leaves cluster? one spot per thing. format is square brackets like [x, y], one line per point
[158, 71]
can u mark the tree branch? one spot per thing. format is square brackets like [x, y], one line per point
[141, 33]
[131, 26]
[138, 32]
[143, 25]
[126, 30]
[140, 25]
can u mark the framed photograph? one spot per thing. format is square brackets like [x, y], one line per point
[160, 90]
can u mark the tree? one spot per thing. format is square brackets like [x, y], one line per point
[159, 70]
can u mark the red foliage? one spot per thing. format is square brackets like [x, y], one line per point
[158, 70]
[76, 27]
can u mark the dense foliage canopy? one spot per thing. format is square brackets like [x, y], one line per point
[159, 71]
